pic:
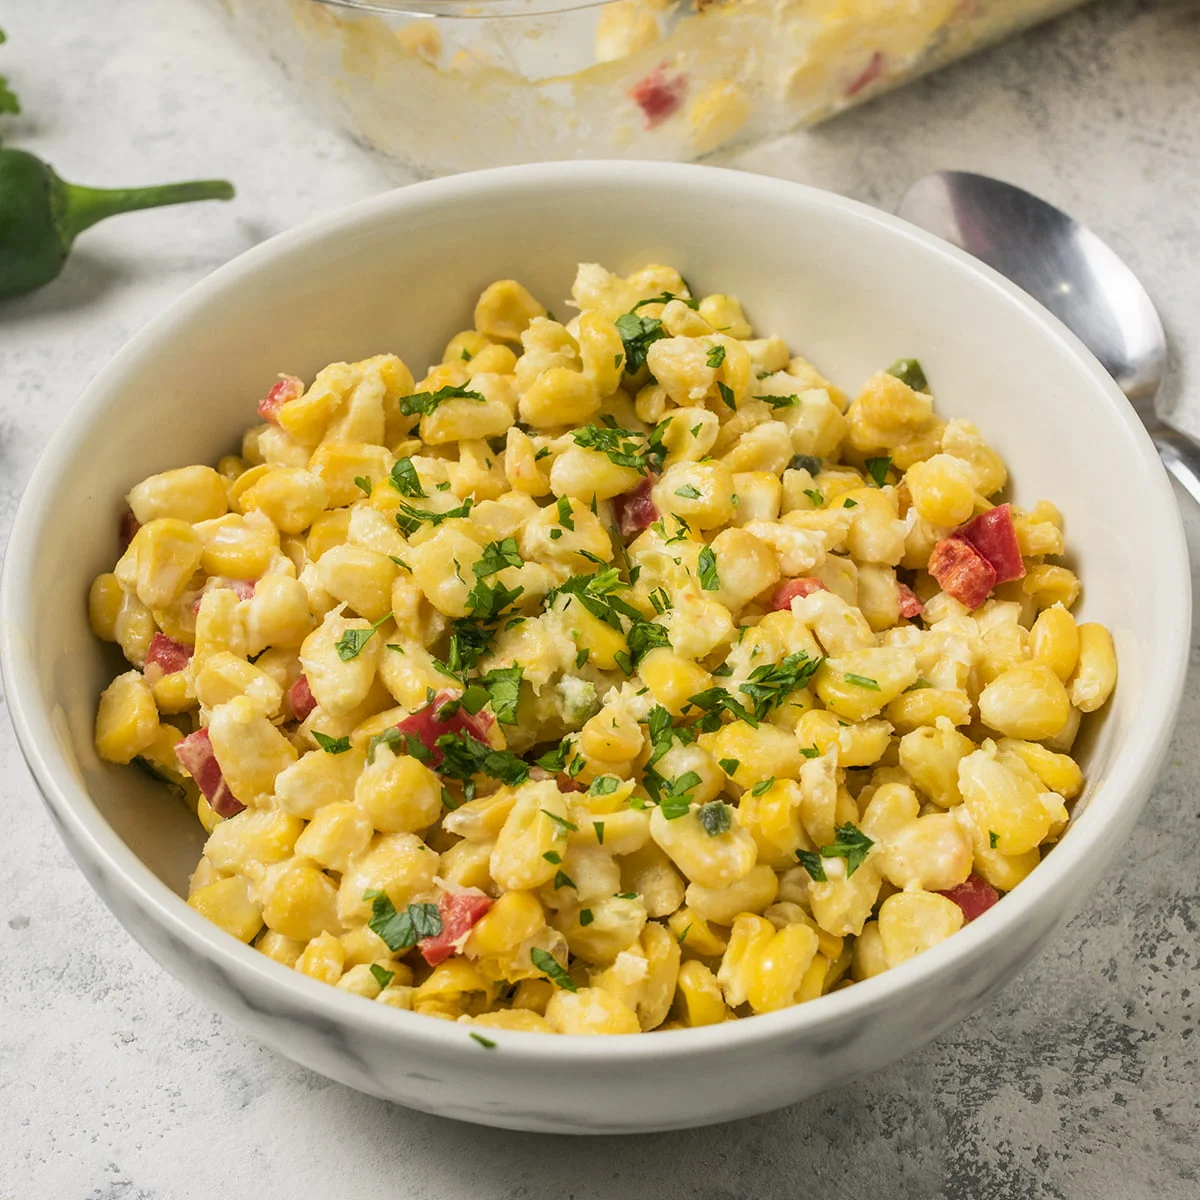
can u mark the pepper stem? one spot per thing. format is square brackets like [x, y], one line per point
[82, 207]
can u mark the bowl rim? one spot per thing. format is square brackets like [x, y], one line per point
[90, 836]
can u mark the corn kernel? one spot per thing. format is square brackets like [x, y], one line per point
[227, 903]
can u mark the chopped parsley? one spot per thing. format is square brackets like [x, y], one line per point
[689, 492]
[918, 685]
[811, 862]
[496, 556]
[553, 857]
[586, 917]
[598, 826]
[411, 519]
[423, 403]
[771, 684]
[716, 356]
[763, 785]
[851, 844]
[331, 745]
[548, 965]
[716, 817]
[862, 681]
[908, 370]
[848, 503]
[400, 930]
[562, 879]
[661, 600]
[364, 483]
[463, 758]
[993, 838]
[502, 686]
[729, 765]
[554, 760]
[486, 1043]
[624, 447]
[807, 462]
[638, 334]
[710, 581]
[603, 785]
[382, 976]
[727, 394]
[561, 822]
[878, 469]
[350, 644]
[780, 401]
[644, 636]
[816, 496]
[565, 519]
[673, 796]
[666, 298]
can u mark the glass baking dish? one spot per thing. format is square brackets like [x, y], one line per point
[448, 85]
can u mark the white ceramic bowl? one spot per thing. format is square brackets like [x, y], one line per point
[845, 285]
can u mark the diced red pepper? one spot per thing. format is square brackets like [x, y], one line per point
[168, 654]
[459, 912]
[427, 725]
[288, 388]
[786, 592]
[128, 527]
[657, 96]
[910, 605]
[243, 587]
[197, 757]
[635, 510]
[961, 571]
[867, 75]
[995, 537]
[973, 896]
[301, 699]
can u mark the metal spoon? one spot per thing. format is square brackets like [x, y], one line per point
[1066, 267]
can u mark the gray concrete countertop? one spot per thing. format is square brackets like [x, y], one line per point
[1078, 1081]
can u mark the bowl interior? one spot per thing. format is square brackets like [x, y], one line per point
[847, 288]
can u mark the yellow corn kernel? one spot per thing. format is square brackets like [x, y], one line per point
[399, 864]
[761, 753]
[1003, 803]
[401, 996]
[931, 756]
[662, 971]
[1058, 772]
[323, 959]
[508, 924]
[1095, 675]
[773, 818]
[1048, 585]
[1026, 701]
[338, 464]
[328, 531]
[105, 599]
[536, 826]
[695, 935]
[187, 494]
[520, 1019]
[505, 309]
[301, 903]
[590, 1011]
[228, 904]
[601, 641]
[748, 938]
[160, 561]
[363, 945]
[464, 346]
[616, 923]
[238, 547]
[1054, 641]
[290, 496]
[251, 751]
[1002, 871]
[253, 838]
[611, 736]
[585, 475]
[698, 998]
[601, 353]
[842, 904]
[725, 313]
[222, 676]
[317, 779]
[649, 874]
[560, 396]
[338, 833]
[398, 793]
[710, 861]
[932, 853]
[359, 578]
[868, 960]
[276, 946]
[912, 922]
[127, 719]
[533, 995]
[700, 493]
[671, 679]
[926, 706]
[857, 684]
[750, 894]
[454, 985]
[942, 490]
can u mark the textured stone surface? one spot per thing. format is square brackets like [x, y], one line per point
[1078, 1081]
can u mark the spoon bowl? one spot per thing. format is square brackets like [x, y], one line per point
[1068, 269]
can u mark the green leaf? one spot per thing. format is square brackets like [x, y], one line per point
[710, 581]
[350, 644]
[729, 765]
[811, 862]
[727, 394]
[548, 965]
[848, 503]
[816, 496]
[562, 879]
[463, 758]
[565, 518]
[993, 838]
[503, 686]
[561, 822]
[411, 519]
[382, 977]
[878, 469]
[918, 685]
[771, 684]
[716, 817]
[363, 482]
[862, 681]
[763, 785]
[666, 298]
[851, 844]
[598, 826]
[807, 462]
[623, 447]
[423, 403]
[496, 556]
[688, 492]
[673, 796]
[552, 857]
[644, 636]
[486, 602]
[331, 745]
[908, 370]
[586, 917]
[485, 1042]
[555, 760]
[661, 600]
[638, 334]
[716, 356]
[400, 930]
[603, 785]
[780, 401]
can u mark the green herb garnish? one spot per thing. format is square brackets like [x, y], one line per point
[331, 745]
[548, 965]
[424, 403]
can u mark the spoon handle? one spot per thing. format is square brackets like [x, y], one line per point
[1181, 456]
